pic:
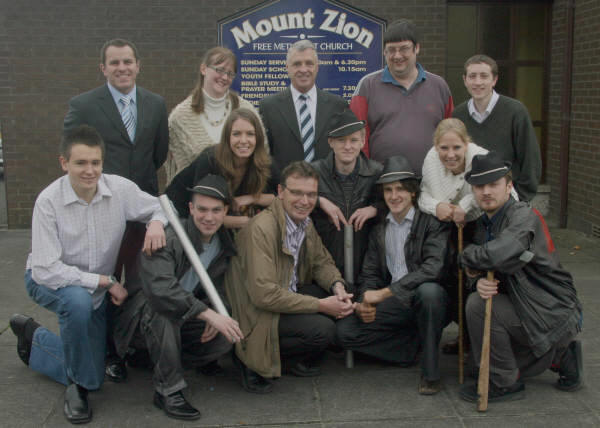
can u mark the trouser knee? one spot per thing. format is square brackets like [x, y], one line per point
[345, 331]
[77, 306]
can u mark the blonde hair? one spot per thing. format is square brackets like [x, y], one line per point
[451, 125]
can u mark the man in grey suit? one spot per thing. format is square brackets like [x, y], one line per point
[297, 119]
[134, 126]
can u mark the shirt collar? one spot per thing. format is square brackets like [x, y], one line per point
[488, 109]
[388, 78]
[409, 217]
[293, 227]
[490, 222]
[116, 94]
[70, 196]
[311, 93]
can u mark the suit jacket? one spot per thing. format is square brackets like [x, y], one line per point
[283, 132]
[140, 160]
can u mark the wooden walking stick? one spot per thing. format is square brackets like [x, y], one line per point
[484, 365]
[461, 327]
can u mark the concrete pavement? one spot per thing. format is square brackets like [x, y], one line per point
[370, 395]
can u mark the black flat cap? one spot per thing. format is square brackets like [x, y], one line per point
[344, 123]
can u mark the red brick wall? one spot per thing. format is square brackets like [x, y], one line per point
[49, 52]
[584, 153]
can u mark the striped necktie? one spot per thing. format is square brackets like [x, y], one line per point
[127, 116]
[307, 131]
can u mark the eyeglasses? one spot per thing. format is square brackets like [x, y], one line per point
[223, 72]
[300, 194]
[402, 50]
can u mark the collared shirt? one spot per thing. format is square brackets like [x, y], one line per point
[387, 77]
[489, 223]
[294, 236]
[74, 242]
[190, 279]
[116, 94]
[311, 102]
[480, 117]
[396, 235]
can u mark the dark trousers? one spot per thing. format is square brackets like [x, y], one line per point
[304, 337]
[397, 331]
[511, 356]
[173, 346]
[131, 245]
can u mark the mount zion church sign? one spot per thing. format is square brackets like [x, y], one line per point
[348, 41]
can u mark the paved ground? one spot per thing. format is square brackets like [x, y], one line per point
[370, 395]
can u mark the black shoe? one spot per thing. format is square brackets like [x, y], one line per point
[23, 327]
[211, 369]
[116, 370]
[252, 381]
[303, 369]
[176, 406]
[571, 368]
[77, 409]
[429, 387]
[495, 394]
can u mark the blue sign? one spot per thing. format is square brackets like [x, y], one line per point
[349, 44]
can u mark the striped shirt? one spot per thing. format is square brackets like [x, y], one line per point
[294, 236]
[396, 235]
[73, 242]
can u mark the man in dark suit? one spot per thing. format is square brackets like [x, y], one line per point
[138, 150]
[134, 126]
[297, 119]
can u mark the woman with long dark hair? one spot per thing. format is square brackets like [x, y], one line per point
[242, 159]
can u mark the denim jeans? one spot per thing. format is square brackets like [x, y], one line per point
[78, 354]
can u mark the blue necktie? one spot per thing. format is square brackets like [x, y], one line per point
[127, 116]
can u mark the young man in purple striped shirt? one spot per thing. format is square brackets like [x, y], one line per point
[77, 227]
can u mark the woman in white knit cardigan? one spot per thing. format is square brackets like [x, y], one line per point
[196, 123]
[444, 191]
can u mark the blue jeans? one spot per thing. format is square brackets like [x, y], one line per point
[78, 354]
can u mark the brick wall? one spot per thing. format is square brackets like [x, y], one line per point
[584, 152]
[49, 52]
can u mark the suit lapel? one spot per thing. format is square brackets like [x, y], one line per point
[108, 106]
[140, 104]
[288, 111]
[323, 113]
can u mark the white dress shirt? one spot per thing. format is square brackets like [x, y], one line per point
[311, 102]
[74, 242]
[480, 117]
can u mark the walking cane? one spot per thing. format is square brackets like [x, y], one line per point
[205, 280]
[484, 365]
[349, 274]
[461, 327]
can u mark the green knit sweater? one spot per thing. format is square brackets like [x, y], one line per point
[508, 131]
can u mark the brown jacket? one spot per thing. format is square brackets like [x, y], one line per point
[257, 284]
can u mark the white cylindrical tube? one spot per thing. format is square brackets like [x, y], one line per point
[190, 251]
